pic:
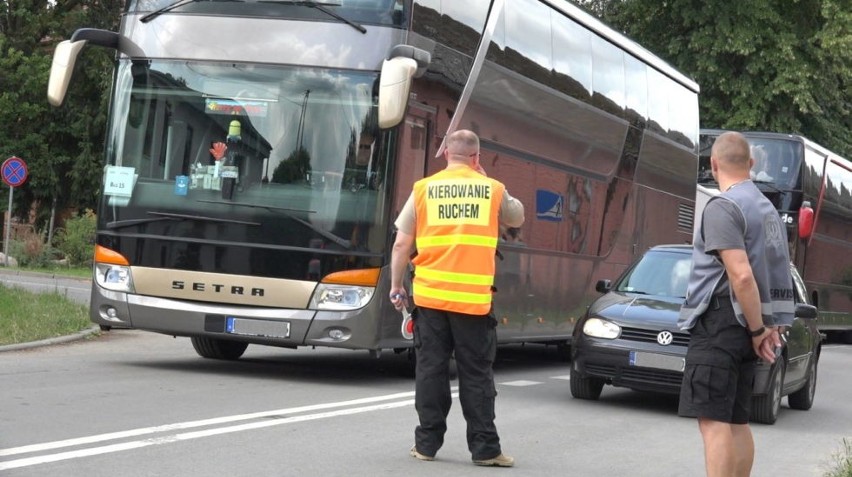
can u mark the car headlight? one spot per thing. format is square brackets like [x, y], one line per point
[598, 328]
[340, 297]
[114, 277]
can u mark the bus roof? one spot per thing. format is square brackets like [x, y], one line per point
[628, 45]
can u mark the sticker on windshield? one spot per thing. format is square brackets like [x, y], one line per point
[119, 181]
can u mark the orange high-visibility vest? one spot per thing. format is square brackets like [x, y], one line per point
[457, 213]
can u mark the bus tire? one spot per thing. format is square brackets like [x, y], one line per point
[765, 408]
[218, 349]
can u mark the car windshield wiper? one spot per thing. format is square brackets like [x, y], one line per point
[346, 244]
[147, 18]
[321, 7]
[161, 216]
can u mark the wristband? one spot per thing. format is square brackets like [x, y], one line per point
[757, 332]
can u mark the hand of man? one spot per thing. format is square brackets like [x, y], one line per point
[398, 298]
[766, 344]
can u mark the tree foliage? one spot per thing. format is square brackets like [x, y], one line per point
[773, 65]
[62, 147]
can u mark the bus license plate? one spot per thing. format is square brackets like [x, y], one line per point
[657, 361]
[264, 328]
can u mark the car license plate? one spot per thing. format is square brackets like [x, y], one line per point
[656, 360]
[264, 328]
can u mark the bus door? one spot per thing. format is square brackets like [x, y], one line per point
[413, 148]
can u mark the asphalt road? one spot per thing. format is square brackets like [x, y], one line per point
[132, 403]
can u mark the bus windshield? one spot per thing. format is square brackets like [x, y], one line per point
[285, 156]
[777, 162]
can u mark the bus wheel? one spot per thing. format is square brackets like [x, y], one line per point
[218, 349]
[563, 351]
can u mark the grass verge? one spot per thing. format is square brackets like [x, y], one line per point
[842, 461]
[29, 316]
[73, 272]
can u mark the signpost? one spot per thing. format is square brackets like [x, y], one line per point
[14, 173]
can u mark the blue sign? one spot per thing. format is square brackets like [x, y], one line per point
[548, 205]
[14, 171]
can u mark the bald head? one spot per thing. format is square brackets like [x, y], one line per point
[462, 145]
[732, 152]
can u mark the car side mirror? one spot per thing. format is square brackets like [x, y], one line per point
[805, 311]
[603, 286]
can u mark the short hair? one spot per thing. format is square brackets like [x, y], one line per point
[733, 149]
[463, 142]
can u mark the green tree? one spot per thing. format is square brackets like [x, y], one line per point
[62, 146]
[774, 65]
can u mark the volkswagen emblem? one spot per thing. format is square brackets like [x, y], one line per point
[665, 338]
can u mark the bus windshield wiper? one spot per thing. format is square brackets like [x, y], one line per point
[161, 216]
[321, 7]
[147, 18]
[346, 244]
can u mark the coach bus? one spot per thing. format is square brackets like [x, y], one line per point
[258, 153]
[812, 189]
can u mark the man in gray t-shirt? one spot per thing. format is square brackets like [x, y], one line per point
[723, 310]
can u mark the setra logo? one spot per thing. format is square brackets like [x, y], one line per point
[217, 288]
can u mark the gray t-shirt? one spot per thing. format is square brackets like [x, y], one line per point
[724, 229]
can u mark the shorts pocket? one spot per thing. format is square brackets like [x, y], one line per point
[708, 384]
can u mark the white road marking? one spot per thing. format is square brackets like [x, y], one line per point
[520, 383]
[168, 439]
[565, 377]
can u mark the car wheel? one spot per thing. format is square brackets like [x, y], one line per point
[803, 399]
[765, 408]
[583, 387]
[218, 349]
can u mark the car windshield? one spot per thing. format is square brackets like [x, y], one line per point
[659, 273]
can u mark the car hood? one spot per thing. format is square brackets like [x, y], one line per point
[639, 311]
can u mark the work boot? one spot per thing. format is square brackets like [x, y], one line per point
[501, 460]
[417, 455]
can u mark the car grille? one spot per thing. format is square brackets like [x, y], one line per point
[636, 375]
[650, 336]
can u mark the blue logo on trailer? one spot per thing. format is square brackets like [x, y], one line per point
[548, 205]
[14, 171]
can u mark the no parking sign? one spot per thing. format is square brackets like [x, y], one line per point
[14, 171]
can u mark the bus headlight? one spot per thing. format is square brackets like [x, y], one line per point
[340, 297]
[598, 328]
[114, 277]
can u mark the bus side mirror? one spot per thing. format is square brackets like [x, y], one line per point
[64, 58]
[394, 86]
[806, 221]
[406, 62]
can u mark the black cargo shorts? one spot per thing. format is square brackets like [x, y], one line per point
[718, 378]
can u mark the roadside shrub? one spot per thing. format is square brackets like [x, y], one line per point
[31, 250]
[76, 239]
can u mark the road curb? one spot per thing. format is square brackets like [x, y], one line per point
[52, 341]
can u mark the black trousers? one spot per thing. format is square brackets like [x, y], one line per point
[437, 334]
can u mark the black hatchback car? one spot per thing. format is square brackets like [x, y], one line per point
[629, 338]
